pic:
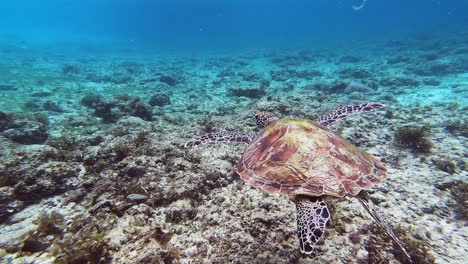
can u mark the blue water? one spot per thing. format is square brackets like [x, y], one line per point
[208, 24]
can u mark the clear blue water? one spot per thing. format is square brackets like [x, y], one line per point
[208, 24]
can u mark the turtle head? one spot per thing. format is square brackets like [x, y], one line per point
[265, 118]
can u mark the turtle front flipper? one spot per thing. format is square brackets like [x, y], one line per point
[344, 111]
[219, 136]
[312, 219]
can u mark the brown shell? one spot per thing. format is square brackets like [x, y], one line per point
[295, 156]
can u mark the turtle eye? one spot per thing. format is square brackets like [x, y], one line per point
[260, 118]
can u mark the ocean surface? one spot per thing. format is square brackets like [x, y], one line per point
[127, 130]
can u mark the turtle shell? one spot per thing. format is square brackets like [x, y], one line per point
[294, 156]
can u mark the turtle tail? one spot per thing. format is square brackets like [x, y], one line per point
[363, 197]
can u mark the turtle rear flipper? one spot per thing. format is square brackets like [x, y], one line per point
[344, 111]
[312, 219]
[219, 136]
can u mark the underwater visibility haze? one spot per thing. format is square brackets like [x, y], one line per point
[303, 131]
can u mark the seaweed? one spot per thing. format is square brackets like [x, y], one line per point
[169, 80]
[170, 255]
[208, 125]
[49, 224]
[141, 138]
[458, 191]
[86, 247]
[123, 150]
[457, 127]
[417, 249]
[445, 165]
[414, 138]
[162, 235]
[173, 119]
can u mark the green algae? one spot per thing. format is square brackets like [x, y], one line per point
[414, 138]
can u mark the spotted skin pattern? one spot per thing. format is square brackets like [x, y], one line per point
[264, 119]
[342, 112]
[219, 136]
[312, 218]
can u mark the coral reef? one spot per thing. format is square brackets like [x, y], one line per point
[110, 110]
[23, 130]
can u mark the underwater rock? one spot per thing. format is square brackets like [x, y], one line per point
[436, 69]
[137, 197]
[354, 73]
[249, 76]
[357, 87]
[398, 81]
[5, 120]
[169, 80]
[50, 227]
[430, 56]
[398, 59]
[111, 110]
[114, 78]
[52, 106]
[8, 205]
[336, 87]
[138, 108]
[247, 92]
[287, 60]
[181, 210]
[12, 235]
[70, 69]
[105, 112]
[8, 87]
[91, 100]
[26, 132]
[33, 105]
[431, 81]
[47, 179]
[284, 75]
[159, 99]
[132, 67]
[132, 124]
[349, 59]
[226, 73]
[102, 107]
[41, 94]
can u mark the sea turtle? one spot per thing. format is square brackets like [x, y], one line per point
[308, 161]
